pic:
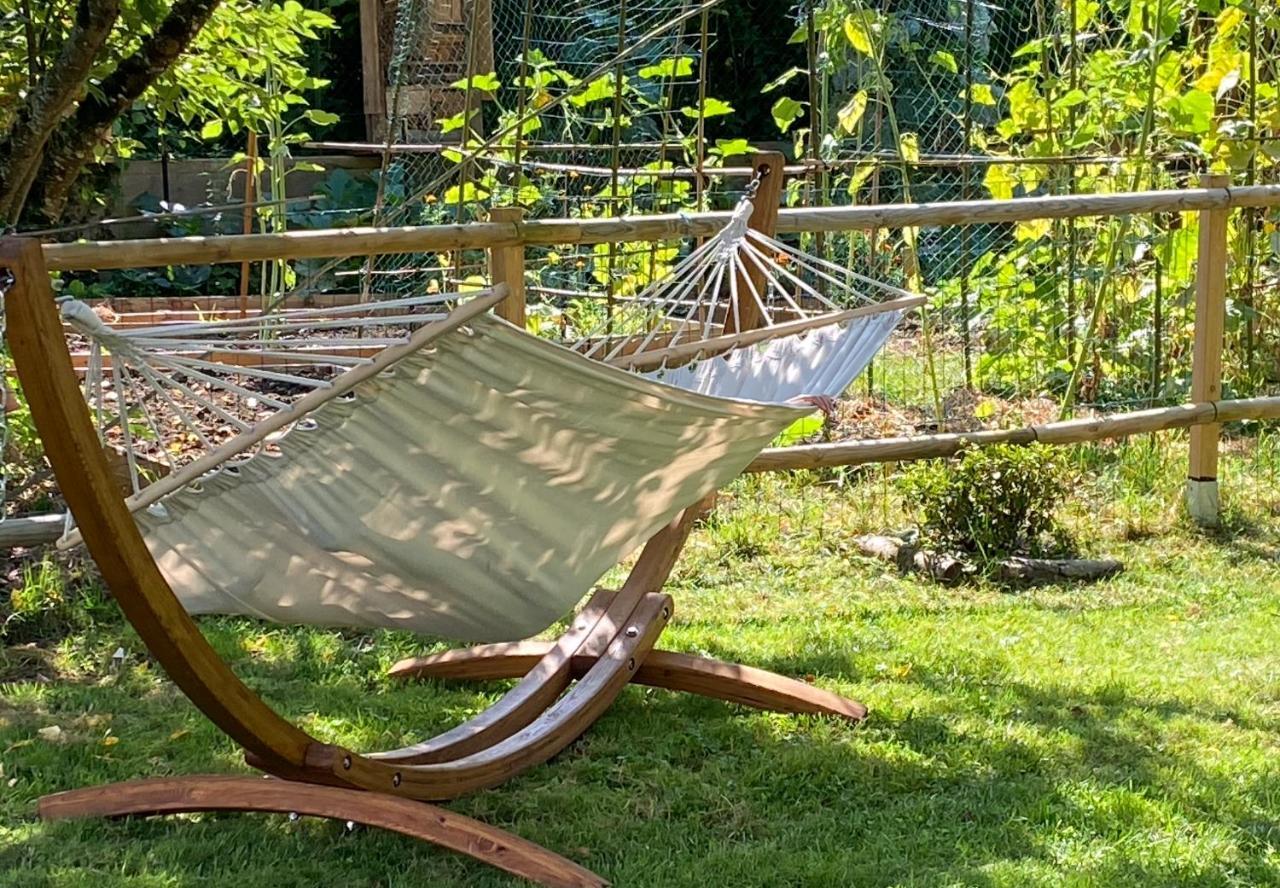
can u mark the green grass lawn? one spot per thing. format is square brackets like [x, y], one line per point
[1126, 733]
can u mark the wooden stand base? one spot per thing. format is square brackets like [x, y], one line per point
[731, 682]
[418, 820]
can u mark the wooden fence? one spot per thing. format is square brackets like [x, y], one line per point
[506, 236]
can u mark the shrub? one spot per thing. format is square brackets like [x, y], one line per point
[992, 501]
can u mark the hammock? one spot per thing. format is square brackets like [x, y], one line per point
[463, 478]
[821, 323]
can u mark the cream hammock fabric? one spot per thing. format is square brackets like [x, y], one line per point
[476, 491]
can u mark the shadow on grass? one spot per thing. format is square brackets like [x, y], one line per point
[669, 789]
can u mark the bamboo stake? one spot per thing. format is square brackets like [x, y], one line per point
[1071, 431]
[250, 196]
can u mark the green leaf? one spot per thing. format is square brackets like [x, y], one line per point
[782, 79]
[909, 147]
[1000, 180]
[710, 108]
[945, 60]
[451, 123]
[211, 130]
[859, 29]
[850, 114]
[483, 82]
[785, 111]
[981, 94]
[799, 430]
[321, 118]
[681, 66]
[600, 88]
[1192, 112]
[730, 147]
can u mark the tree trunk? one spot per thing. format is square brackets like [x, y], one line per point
[22, 148]
[72, 143]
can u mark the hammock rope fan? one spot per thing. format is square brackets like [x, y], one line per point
[420, 464]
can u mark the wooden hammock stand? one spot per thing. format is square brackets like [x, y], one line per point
[566, 685]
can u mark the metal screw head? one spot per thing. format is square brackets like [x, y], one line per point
[632, 632]
[631, 665]
[395, 781]
[346, 763]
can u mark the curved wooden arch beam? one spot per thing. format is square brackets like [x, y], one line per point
[731, 682]
[39, 349]
[428, 823]
[551, 732]
[544, 678]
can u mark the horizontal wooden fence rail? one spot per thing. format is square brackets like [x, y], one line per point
[47, 528]
[334, 243]
[1071, 431]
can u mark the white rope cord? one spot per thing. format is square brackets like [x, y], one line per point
[217, 382]
[122, 409]
[680, 279]
[681, 287]
[837, 275]
[141, 401]
[195, 397]
[175, 408]
[691, 318]
[185, 385]
[764, 268]
[740, 273]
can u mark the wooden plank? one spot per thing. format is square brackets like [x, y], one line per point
[767, 165]
[34, 530]
[506, 265]
[1206, 360]
[84, 478]
[428, 823]
[372, 70]
[333, 243]
[126, 305]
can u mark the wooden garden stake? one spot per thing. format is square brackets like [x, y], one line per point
[250, 196]
[506, 266]
[1206, 368]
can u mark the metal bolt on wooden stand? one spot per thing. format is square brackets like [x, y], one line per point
[1206, 370]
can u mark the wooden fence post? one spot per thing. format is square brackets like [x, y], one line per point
[506, 266]
[1206, 368]
[764, 219]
